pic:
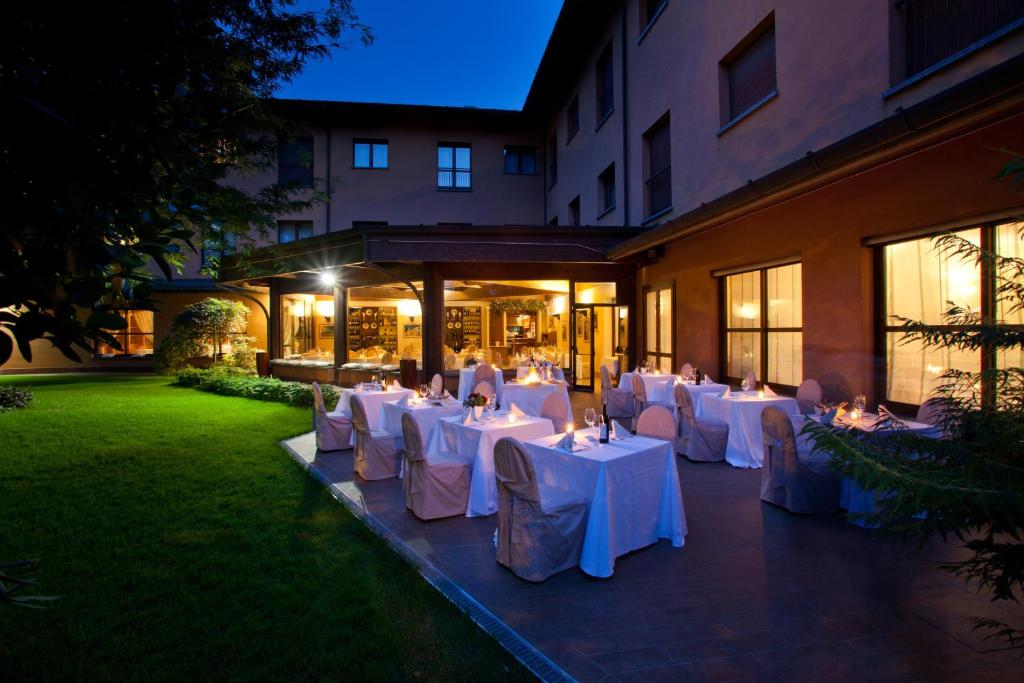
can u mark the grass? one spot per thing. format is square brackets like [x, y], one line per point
[187, 544]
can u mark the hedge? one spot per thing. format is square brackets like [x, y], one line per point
[12, 398]
[226, 383]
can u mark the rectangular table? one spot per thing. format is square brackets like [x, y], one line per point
[466, 384]
[474, 443]
[423, 411]
[653, 383]
[372, 402]
[530, 397]
[631, 486]
[742, 412]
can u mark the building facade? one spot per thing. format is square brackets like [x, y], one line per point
[776, 171]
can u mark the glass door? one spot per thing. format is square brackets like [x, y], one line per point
[582, 347]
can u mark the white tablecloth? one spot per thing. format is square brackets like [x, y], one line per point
[466, 384]
[530, 397]
[474, 443]
[658, 386]
[695, 390]
[426, 415]
[742, 412]
[372, 402]
[632, 487]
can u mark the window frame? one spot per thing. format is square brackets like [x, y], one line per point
[606, 206]
[649, 18]
[454, 169]
[123, 335]
[647, 352]
[650, 177]
[575, 212]
[605, 92]
[987, 296]
[762, 329]
[304, 182]
[728, 117]
[296, 224]
[518, 151]
[371, 142]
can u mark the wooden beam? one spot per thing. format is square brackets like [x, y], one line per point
[340, 325]
[275, 332]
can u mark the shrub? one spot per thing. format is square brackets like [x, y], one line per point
[230, 381]
[202, 328]
[12, 398]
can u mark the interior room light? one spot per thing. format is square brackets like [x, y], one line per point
[328, 278]
[325, 309]
[410, 308]
[622, 314]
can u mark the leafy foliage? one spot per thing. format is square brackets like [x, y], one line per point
[12, 398]
[129, 121]
[970, 483]
[217, 380]
[201, 329]
[516, 306]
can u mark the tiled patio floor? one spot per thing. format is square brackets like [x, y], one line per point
[756, 593]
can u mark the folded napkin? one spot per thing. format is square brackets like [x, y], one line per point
[467, 417]
[514, 410]
[404, 401]
[567, 441]
[618, 431]
[768, 391]
[708, 380]
[728, 392]
[395, 386]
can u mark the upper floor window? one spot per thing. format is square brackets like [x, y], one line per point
[605, 85]
[295, 162]
[749, 72]
[454, 168]
[936, 30]
[574, 211]
[369, 154]
[552, 160]
[520, 160]
[606, 189]
[289, 231]
[572, 118]
[658, 181]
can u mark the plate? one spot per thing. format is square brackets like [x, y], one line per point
[366, 326]
[458, 325]
[451, 325]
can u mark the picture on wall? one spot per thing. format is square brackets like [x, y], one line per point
[327, 331]
[412, 330]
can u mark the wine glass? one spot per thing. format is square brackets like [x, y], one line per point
[590, 417]
[745, 384]
[424, 391]
[860, 402]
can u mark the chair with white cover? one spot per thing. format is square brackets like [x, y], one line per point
[437, 384]
[484, 373]
[700, 439]
[618, 402]
[451, 361]
[556, 409]
[657, 422]
[557, 373]
[685, 370]
[640, 400]
[540, 528]
[930, 412]
[333, 430]
[808, 396]
[790, 478]
[435, 486]
[484, 389]
[378, 454]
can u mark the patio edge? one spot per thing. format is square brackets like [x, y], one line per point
[527, 654]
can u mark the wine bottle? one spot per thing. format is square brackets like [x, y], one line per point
[602, 434]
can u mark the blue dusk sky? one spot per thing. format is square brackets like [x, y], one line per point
[479, 53]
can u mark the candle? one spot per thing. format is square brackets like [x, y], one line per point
[511, 417]
[760, 393]
[854, 414]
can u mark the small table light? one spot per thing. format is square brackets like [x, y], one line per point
[760, 393]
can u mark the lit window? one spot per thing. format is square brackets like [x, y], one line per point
[370, 154]
[136, 339]
[454, 170]
[289, 231]
[658, 326]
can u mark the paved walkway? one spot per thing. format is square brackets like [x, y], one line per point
[756, 593]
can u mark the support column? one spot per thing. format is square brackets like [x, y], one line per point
[275, 332]
[340, 326]
[433, 321]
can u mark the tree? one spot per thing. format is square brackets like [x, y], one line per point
[201, 328]
[969, 484]
[124, 122]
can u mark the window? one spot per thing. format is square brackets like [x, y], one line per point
[289, 231]
[764, 325]
[454, 169]
[605, 86]
[651, 9]
[552, 160]
[574, 211]
[572, 119]
[936, 30]
[295, 162]
[658, 183]
[918, 283]
[136, 338]
[749, 72]
[658, 325]
[520, 160]
[369, 154]
[606, 190]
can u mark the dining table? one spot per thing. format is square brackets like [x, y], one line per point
[741, 410]
[530, 396]
[373, 401]
[467, 385]
[632, 490]
[473, 441]
[425, 411]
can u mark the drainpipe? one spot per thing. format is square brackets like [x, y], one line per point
[327, 207]
[625, 126]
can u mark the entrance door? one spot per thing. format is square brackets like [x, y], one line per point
[582, 356]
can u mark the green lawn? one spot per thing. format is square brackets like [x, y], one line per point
[188, 544]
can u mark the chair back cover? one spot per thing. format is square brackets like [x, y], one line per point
[657, 422]
[555, 409]
[686, 369]
[359, 421]
[684, 404]
[450, 361]
[484, 389]
[808, 395]
[785, 480]
[751, 377]
[484, 373]
[318, 400]
[930, 412]
[514, 469]
[437, 383]
[639, 390]
[413, 438]
[557, 373]
[606, 383]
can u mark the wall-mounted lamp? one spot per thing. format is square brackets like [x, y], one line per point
[410, 308]
[325, 309]
[328, 278]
